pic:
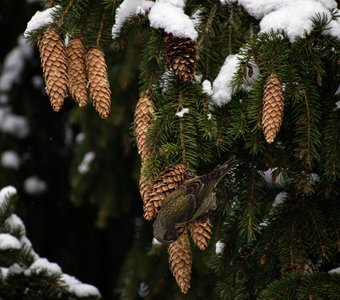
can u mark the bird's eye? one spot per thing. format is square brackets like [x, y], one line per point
[179, 230]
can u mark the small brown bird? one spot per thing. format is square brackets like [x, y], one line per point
[189, 202]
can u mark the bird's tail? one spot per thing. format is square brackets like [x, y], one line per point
[218, 173]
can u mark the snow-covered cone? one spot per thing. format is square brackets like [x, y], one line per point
[272, 110]
[200, 232]
[98, 81]
[77, 71]
[54, 65]
[181, 56]
[167, 181]
[180, 261]
[143, 117]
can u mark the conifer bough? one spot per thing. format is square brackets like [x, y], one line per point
[272, 110]
[54, 65]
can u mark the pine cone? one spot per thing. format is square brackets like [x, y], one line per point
[77, 71]
[143, 116]
[53, 62]
[272, 110]
[180, 261]
[167, 181]
[200, 231]
[144, 188]
[181, 56]
[98, 81]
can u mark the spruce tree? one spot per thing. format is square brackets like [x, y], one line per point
[258, 79]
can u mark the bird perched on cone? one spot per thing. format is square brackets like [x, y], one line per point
[189, 202]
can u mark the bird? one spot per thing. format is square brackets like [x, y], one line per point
[191, 201]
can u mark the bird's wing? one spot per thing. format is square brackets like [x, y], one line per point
[188, 209]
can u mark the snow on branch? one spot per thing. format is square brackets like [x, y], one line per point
[169, 15]
[41, 19]
[295, 17]
[128, 9]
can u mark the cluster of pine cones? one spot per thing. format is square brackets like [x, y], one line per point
[72, 69]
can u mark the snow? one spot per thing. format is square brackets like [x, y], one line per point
[41, 19]
[14, 64]
[228, 1]
[13, 124]
[219, 247]
[43, 265]
[279, 199]
[181, 113]
[10, 159]
[128, 9]
[206, 86]
[15, 222]
[84, 166]
[169, 16]
[143, 289]
[335, 271]
[270, 178]
[4, 273]
[80, 137]
[33, 185]
[74, 286]
[222, 87]
[155, 242]
[8, 241]
[7, 192]
[294, 17]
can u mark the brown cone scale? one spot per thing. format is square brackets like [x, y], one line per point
[98, 81]
[54, 65]
[142, 120]
[272, 110]
[200, 231]
[167, 181]
[180, 261]
[77, 71]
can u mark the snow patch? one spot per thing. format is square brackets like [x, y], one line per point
[219, 247]
[279, 199]
[74, 286]
[6, 193]
[43, 265]
[33, 185]
[169, 16]
[84, 166]
[222, 87]
[128, 9]
[335, 271]
[41, 19]
[206, 86]
[10, 160]
[8, 241]
[181, 113]
[13, 124]
[14, 64]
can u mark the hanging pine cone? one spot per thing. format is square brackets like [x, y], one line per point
[77, 71]
[98, 81]
[144, 187]
[167, 181]
[180, 261]
[181, 56]
[272, 110]
[53, 62]
[200, 231]
[143, 116]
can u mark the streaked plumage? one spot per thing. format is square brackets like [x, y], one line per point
[187, 203]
